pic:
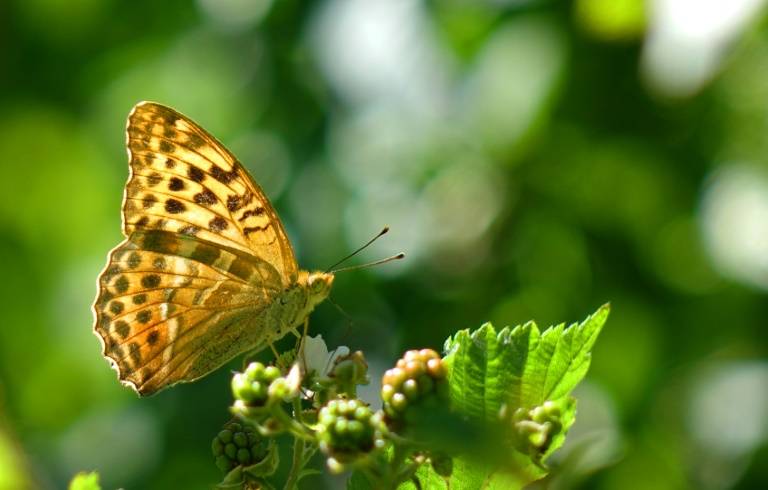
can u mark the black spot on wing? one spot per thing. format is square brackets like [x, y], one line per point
[135, 352]
[252, 229]
[222, 176]
[196, 174]
[116, 307]
[167, 146]
[175, 184]
[122, 328]
[144, 316]
[218, 224]
[159, 263]
[148, 201]
[150, 281]
[121, 284]
[174, 206]
[153, 179]
[134, 260]
[189, 230]
[205, 198]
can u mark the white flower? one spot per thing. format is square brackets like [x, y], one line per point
[317, 359]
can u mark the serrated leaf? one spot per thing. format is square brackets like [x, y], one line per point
[511, 369]
[427, 479]
[519, 366]
[468, 475]
[85, 481]
[562, 359]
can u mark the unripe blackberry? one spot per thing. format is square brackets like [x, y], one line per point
[349, 371]
[533, 429]
[419, 375]
[348, 429]
[252, 385]
[237, 445]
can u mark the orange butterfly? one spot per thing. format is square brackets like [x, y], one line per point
[206, 271]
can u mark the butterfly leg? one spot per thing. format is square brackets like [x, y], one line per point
[302, 341]
[274, 351]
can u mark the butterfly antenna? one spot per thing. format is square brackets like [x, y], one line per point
[382, 232]
[347, 316]
[370, 264]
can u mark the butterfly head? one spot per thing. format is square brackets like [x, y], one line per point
[319, 285]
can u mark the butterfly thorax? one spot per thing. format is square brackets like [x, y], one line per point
[292, 307]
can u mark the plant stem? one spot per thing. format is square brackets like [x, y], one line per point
[297, 463]
[296, 428]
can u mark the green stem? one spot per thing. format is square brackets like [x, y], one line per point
[298, 460]
[298, 429]
[296, 465]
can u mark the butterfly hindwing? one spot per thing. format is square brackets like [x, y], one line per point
[184, 181]
[173, 307]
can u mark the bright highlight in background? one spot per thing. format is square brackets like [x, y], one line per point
[734, 219]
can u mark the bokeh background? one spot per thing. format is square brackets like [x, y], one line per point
[534, 159]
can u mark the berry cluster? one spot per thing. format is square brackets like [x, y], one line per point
[418, 376]
[535, 428]
[237, 445]
[252, 385]
[348, 429]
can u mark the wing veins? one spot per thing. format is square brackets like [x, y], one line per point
[235, 164]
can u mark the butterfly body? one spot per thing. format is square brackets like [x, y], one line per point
[206, 271]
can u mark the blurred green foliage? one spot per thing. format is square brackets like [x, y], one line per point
[529, 163]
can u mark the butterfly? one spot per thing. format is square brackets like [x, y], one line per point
[206, 271]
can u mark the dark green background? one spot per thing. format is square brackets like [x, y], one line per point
[522, 153]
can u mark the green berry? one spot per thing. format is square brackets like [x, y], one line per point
[534, 428]
[418, 376]
[225, 436]
[251, 386]
[224, 463]
[237, 445]
[243, 456]
[240, 439]
[271, 373]
[348, 429]
[349, 371]
[217, 447]
[230, 450]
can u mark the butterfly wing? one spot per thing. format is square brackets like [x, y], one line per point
[183, 180]
[205, 257]
[172, 307]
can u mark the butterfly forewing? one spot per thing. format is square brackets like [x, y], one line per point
[184, 181]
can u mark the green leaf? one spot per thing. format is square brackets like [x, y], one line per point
[85, 481]
[467, 475]
[358, 481]
[493, 373]
[519, 367]
[266, 466]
